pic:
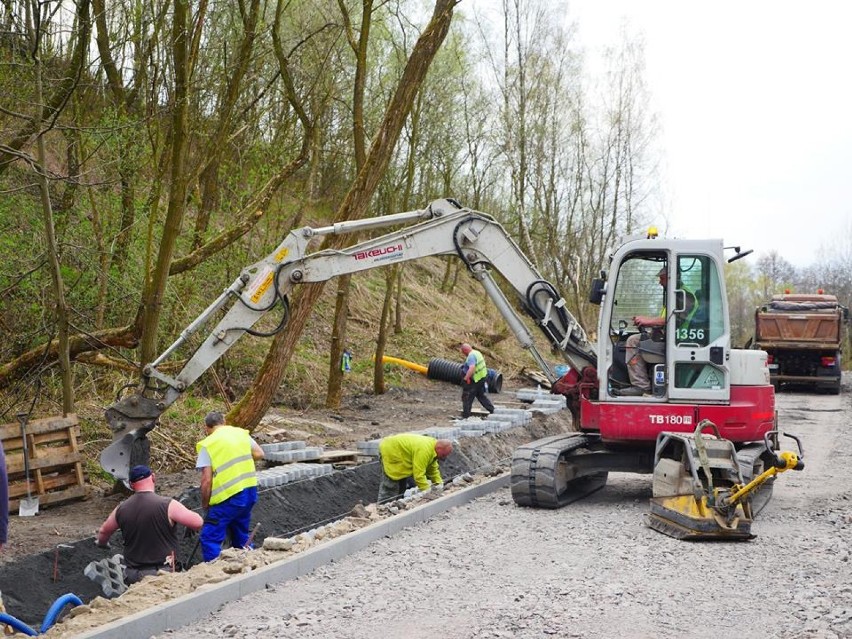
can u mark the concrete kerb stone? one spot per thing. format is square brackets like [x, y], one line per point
[207, 599]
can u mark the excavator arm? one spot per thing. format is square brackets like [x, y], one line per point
[442, 228]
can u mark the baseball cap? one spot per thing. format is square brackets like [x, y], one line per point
[138, 473]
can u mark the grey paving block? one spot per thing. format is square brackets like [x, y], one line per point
[276, 447]
[369, 448]
[108, 573]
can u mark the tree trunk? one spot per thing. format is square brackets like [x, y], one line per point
[52, 249]
[338, 343]
[344, 283]
[397, 326]
[155, 287]
[123, 337]
[382, 338]
[248, 412]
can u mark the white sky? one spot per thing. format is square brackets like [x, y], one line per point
[755, 103]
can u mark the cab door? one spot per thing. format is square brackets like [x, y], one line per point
[697, 326]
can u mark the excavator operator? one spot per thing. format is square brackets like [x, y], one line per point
[637, 365]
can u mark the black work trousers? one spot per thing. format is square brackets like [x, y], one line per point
[475, 390]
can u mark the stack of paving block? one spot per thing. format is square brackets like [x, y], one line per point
[541, 400]
[369, 448]
[284, 474]
[442, 432]
[549, 404]
[501, 419]
[287, 452]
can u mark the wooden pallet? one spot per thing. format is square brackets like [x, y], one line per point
[337, 457]
[56, 468]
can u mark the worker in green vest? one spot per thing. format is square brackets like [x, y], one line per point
[228, 484]
[473, 383]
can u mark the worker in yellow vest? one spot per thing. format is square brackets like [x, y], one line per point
[473, 384]
[228, 484]
[410, 456]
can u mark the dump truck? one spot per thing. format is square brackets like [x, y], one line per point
[802, 335]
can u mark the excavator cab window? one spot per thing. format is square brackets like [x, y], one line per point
[636, 290]
[699, 320]
[698, 302]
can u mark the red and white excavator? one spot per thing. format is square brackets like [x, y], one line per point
[707, 431]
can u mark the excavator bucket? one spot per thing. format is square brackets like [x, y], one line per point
[692, 475]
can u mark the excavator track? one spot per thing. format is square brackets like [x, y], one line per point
[544, 477]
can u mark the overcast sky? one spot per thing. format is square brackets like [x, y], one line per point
[755, 103]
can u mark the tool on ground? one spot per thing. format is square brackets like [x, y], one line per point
[29, 505]
[698, 488]
[250, 539]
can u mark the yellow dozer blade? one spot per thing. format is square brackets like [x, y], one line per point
[699, 492]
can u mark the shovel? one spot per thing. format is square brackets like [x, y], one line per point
[29, 506]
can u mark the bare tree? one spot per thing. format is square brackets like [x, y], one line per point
[775, 274]
[253, 405]
[155, 285]
[341, 307]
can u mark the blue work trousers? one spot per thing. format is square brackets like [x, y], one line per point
[230, 518]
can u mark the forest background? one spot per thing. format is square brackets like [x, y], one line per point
[151, 149]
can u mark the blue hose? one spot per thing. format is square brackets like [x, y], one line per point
[17, 624]
[57, 607]
[49, 619]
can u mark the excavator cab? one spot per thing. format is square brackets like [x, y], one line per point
[686, 358]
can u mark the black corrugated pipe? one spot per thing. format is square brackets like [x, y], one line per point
[446, 371]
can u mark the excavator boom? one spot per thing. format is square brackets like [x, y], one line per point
[442, 228]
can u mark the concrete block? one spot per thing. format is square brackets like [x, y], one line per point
[108, 573]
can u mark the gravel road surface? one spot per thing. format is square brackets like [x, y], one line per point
[592, 569]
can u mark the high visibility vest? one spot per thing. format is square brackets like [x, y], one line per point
[684, 320]
[229, 448]
[480, 371]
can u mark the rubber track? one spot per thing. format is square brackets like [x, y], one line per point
[534, 478]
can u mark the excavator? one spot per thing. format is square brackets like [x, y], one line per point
[707, 432]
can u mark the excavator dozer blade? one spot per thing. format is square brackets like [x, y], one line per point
[678, 518]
